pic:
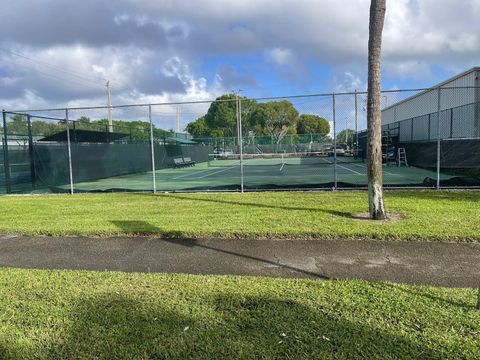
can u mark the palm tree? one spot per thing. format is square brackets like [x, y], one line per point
[374, 116]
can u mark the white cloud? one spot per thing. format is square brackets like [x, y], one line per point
[280, 56]
[408, 69]
[155, 50]
[429, 28]
[349, 82]
[465, 42]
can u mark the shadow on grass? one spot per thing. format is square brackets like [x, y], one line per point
[139, 227]
[348, 215]
[178, 238]
[266, 206]
[115, 325]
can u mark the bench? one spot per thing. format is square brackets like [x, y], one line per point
[188, 161]
[178, 162]
[182, 162]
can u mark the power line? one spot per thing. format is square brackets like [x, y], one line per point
[77, 74]
[158, 113]
[62, 79]
[192, 102]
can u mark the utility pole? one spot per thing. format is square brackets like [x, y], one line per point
[109, 100]
[152, 149]
[178, 120]
[238, 124]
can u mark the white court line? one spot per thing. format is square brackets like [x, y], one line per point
[343, 167]
[355, 172]
[359, 165]
[216, 172]
[365, 166]
[324, 160]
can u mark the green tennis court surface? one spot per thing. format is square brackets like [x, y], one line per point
[260, 173]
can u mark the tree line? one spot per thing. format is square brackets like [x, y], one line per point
[135, 130]
[276, 119]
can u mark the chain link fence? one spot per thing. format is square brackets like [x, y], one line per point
[430, 139]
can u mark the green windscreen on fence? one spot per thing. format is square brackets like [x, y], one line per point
[103, 167]
[429, 139]
[109, 167]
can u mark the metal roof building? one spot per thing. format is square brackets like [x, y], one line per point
[458, 99]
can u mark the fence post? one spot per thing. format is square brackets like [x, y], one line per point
[356, 121]
[334, 144]
[6, 160]
[152, 149]
[69, 147]
[411, 129]
[476, 109]
[438, 138]
[30, 152]
[240, 138]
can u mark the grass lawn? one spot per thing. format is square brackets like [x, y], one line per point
[427, 215]
[105, 315]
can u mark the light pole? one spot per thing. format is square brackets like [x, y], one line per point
[239, 134]
[386, 100]
[109, 112]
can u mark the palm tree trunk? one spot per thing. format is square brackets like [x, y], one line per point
[374, 116]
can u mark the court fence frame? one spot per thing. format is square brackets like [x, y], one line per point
[446, 101]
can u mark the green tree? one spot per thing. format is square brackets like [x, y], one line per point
[45, 128]
[221, 117]
[198, 128]
[346, 136]
[257, 121]
[276, 118]
[312, 124]
[17, 124]
[248, 108]
[138, 130]
[83, 120]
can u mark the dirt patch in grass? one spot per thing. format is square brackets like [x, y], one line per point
[392, 217]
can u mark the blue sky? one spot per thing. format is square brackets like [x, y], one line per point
[57, 53]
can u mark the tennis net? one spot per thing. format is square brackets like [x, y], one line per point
[315, 159]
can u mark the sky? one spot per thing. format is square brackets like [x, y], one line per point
[57, 53]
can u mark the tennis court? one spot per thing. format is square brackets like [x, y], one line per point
[261, 172]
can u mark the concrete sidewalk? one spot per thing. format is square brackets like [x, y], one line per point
[452, 265]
